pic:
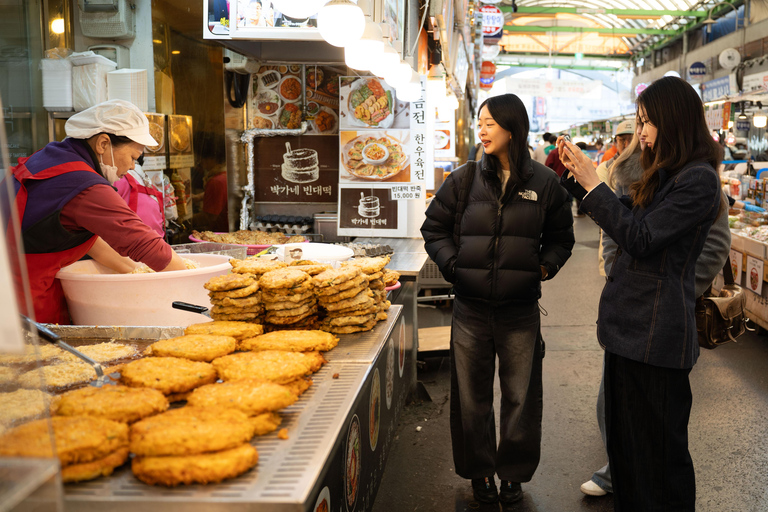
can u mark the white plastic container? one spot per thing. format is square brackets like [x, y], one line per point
[97, 296]
[323, 253]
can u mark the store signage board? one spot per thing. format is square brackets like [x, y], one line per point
[493, 20]
[756, 82]
[263, 20]
[460, 68]
[742, 125]
[555, 88]
[716, 89]
[755, 274]
[697, 70]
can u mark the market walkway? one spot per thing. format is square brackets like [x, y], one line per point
[728, 428]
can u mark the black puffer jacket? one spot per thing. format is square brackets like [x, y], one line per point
[502, 241]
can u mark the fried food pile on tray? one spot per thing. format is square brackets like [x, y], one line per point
[116, 403]
[195, 445]
[246, 237]
[195, 347]
[23, 405]
[270, 365]
[172, 376]
[87, 447]
[251, 396]
[289, 298]
[291, 341]
[346, 299]
[378, 278]
[235, 296]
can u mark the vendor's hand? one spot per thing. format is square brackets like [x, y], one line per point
[580, 165]
[752, 208]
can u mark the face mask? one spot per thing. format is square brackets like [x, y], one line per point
[109, 171]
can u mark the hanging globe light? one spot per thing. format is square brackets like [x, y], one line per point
[355, 58]
[387, 62]
[341, 22]
[399, 74]
[411, 90]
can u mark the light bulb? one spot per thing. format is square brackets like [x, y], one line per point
[399, 75]
[384, 65]
[436, 89]
[341, 22]
[451, 101]
[356, 59]
[57, 26]
[372, 41]
[411, 90]
[759, 120]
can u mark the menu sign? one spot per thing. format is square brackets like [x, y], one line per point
[296, 169]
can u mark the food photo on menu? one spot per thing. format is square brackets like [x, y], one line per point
[369, 102]
[374, 156]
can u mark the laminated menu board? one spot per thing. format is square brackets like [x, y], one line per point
[180, 142]
[156, 157]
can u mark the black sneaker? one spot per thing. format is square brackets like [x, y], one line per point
[485, 490]
[511, 492]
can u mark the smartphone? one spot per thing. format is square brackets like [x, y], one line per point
[567, 138]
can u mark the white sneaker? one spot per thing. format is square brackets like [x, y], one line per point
[590, 488]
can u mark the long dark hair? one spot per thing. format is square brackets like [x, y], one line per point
[509, 112]
[674, 108]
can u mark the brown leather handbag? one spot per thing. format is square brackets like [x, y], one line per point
[721, 318]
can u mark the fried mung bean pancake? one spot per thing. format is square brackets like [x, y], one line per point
[272, 365]
[373, 308]
[358, 281]
[287, 304]
[237, 293]
[282, 278]
[253, 397]
[265, 423]
[345, 294]
[228, 282]
[299, 386]
[232, 310]
[116, 403]
[190, 430]
[358, 301]
[58, 376]
[206, 468]
[297, 309]
[167, 374]
[293, 341]
[195, 347]
[7, 375]
[390, 276]
[369, 265]
[256, 266]
[376, 284]
[245, 302]
[102, 352]
[237, 330]
[383, 306]
[23, 404]
[273, 318]
[33, 354]
[373, 277]
[336, 276]
[313, 270]
[95, 469]
[380, 316]
[78, 439]
[238, 316]
[348, 329]
[281, 297]
[341, 321]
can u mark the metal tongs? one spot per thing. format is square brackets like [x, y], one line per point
[52, 337]
[192, 308]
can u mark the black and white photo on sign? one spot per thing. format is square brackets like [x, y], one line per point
[363, 209]
[369, 102]
[300, 165]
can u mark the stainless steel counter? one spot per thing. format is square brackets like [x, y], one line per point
[359, 386]
[409, 256]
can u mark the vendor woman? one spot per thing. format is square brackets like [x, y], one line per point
[68, 206]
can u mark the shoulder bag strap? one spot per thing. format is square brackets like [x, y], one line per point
[728, 271]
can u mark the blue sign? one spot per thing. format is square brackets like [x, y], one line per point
[742, 125]
[716, 89]
[697, 69]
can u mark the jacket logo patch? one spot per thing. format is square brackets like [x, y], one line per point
[529, 195]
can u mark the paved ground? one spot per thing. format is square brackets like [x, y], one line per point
[728, 429]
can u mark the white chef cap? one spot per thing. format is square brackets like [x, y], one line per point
[118, 117]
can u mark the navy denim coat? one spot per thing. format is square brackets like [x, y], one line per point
[647, 306]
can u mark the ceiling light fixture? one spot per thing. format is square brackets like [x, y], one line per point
[759, 120]
[341, 22]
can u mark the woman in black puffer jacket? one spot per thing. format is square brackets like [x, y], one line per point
[510, 229]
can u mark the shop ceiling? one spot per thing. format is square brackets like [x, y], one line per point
[579, 28]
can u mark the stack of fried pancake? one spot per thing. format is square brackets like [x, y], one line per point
[375, 273]
[289, 298]
[347, 300]
[235, 297]
[87, 447]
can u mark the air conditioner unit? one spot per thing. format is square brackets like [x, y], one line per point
[240, 63]
[107, 19]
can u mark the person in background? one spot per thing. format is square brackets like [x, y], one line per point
[510, 230]
[142, 197]
[215, 213]
[554, 163]
[600, 152]
[549, 147]
[538, 154]
[645, 323]
[609, 153]
[68, 205]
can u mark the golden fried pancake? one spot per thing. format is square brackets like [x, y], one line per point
[97, 468]
[299, 386]
[32, 354]
[237, 293]
[280, 305]
[361, 300]
[255, 266]
[282, 278]
[336, 276]
[376, 284]
[195, 347]
[116, 403]
[373, 308]
[313, 269]
[102, 352]
[58, 376]
[372, 277]
[381, 316]
[206, 468]
[167, 374]
[7, 375]
[272, 365]
[23, 404]
[291, 297]
[383, 306]
[238, 330]
[358, 281]
[347, 329]
[341, 321]
[190, 430]
[344, 294]
[390, 277]
[368, 265]
[178, 397]
[379, 295]
[238, 316]
[228, 282]
[265, 423]
[78, 439]
[272, 318]
[293, 341]
[296, 309]
[232, 310]
[303, 262]
[245, 302]
[253, 397]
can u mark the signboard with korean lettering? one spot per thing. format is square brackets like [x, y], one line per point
[296, 169]
[716, 89]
